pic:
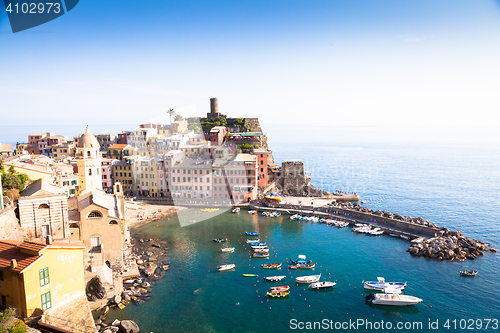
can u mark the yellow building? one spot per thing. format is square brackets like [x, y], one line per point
[35, 275]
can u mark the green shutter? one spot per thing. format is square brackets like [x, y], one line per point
[46, 301]
[44, 276]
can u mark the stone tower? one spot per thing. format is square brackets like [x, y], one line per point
[294, 178]
[89, 163]
[214, 109]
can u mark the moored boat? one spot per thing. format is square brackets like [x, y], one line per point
[250, 275]
[277, 293]
[381, 285]
[251, 233]
[220, 240]
[253, 240]
[258, 244]
[273, 265]
[308, 279]
[393, 297]
[260, 250]
[227, 249]
[300, 261]
[236, 210]
[225, 267]
[261, 255]
[293, 267]
[306, 265]
[252, 212]
[468, 273]
[279, 288]
[322, 285]
[275, 278]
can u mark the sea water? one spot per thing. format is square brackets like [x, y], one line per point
[448, 176]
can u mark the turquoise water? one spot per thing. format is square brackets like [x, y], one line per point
[449, 179]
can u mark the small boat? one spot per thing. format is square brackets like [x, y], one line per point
[164, 267]
[225, 267]
[260, 250]
[251, 233]
[322, 285]
[300, 261]
[293, 267]
[227, 249]
[363, 201]
[468, 273]
[306, 265]
[236, 210]
[275, 278]
[393, 297]
[274, 265]
[380, 284]
[404, 237]
[220, 240]
[279, 288]
[252, 212]
[308, 279]
[258, 247]
[261, 255]
[250, 275]
[277, 293]
[253, 240]
[258, 244]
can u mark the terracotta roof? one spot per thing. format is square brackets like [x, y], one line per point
[117, 146]
[9, 250]
[32, 246]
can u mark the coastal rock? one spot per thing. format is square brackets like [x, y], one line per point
[128, 326]
[113, 329]
[117, 299]
[116, 322]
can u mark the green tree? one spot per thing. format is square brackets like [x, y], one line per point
[171, 113]
[10, 324]
[12, 170]
[178, 117]
[194, 124]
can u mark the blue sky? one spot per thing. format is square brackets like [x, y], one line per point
[329, 62]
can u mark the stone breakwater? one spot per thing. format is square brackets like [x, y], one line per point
[382, 213]
[151, 259]
[450, 245]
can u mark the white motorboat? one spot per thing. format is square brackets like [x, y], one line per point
[258, 246]
[308, 279]
[253, 240]
[226, 267]
[381, 285]
[322, 285]
[236, 210]
[260, 250]
[274, 278]
[252, 212]
[393, 297]
[227, 249]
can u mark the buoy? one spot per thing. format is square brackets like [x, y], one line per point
[261, 301]
[292, 309]
[309, 305]
[269, 308]
[430, 306]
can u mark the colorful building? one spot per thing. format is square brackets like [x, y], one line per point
[49, 277]
[262, 179]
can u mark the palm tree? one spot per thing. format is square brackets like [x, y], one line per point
[171, 113]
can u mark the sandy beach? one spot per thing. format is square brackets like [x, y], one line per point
[139, 213]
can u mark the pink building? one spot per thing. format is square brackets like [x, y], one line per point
[191, 179]
[107, 174]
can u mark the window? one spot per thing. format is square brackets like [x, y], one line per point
[184, 178]
[43, 206]
[46, 302]
[248, 171]
[90, 172]
[261, 162]
[113, 222]
[249, 180]
[1, 275]
[44, 276]
[88, 153]
[94, 213]
[184, 171]
[208, 180]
